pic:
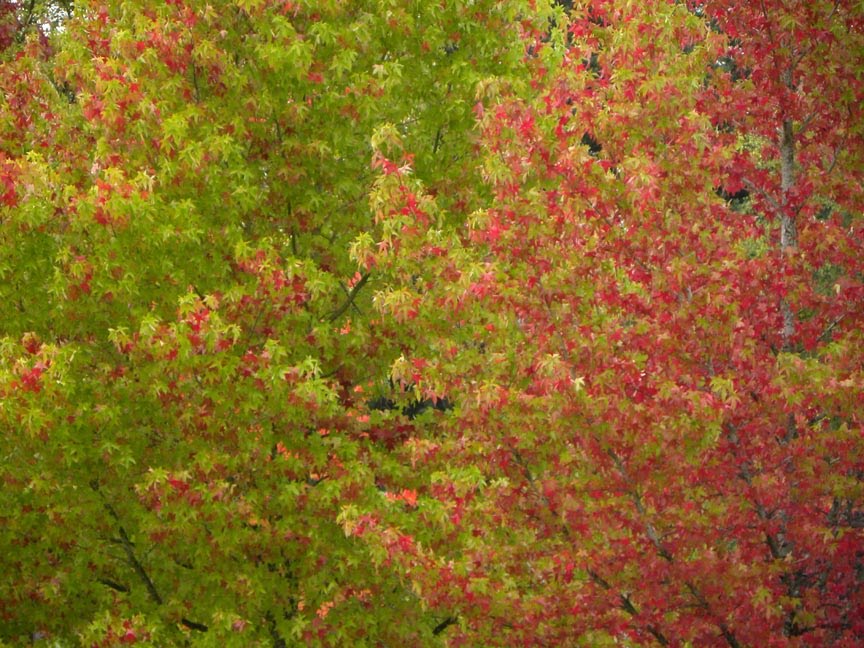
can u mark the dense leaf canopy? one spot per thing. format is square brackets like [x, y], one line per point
[401, 323]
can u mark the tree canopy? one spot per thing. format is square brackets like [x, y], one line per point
[400, 323]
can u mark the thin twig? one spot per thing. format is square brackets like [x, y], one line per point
[776, 205]
[824, 336]
[351, 297]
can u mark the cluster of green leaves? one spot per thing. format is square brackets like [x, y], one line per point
[188, 347]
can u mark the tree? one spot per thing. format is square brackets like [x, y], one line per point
[429, 324]
[187, 353]
[660, 434]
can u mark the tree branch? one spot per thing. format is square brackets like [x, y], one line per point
[351, 297]
[193, 625]
[437, 142]
[664, 553]
[128, 547]
[137, 567]
[628, 607]
[446, 623]
[826, 334]
[752, 187]
[114, 585]
[625, 602]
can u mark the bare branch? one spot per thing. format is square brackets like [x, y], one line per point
[114, 585]
[351, 297]
[446, 623]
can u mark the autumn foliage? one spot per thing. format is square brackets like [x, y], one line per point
[472, 323]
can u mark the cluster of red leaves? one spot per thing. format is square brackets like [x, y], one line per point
[697, 486]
